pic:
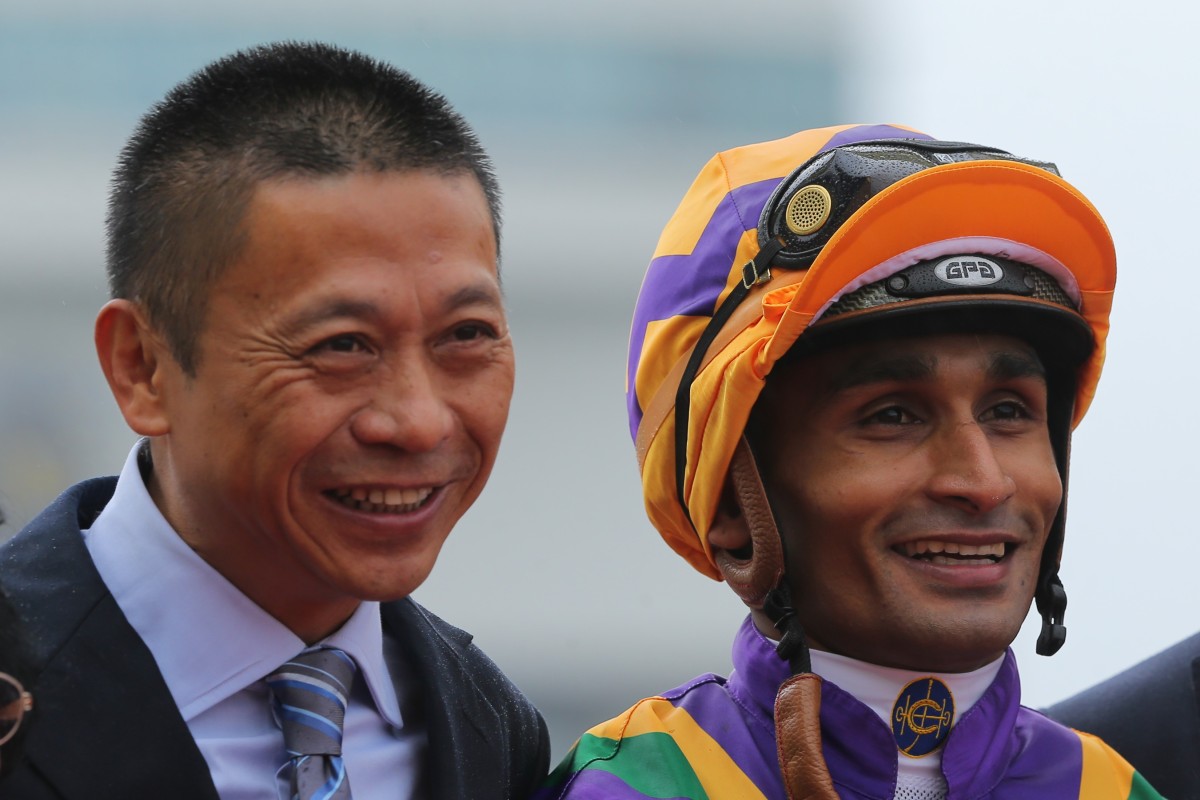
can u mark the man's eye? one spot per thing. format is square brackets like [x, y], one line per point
[472, 331]
[346, 343]
[892, 415]
[1008, 410]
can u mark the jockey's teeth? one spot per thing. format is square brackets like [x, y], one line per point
[390, 500]
[966, 553]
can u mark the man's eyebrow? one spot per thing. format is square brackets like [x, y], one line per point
[887, 368]
[882, 368]
[477, 294]
[1009, 364]
[347, 308]
[336, 308]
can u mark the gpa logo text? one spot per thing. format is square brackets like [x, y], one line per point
[968, 271]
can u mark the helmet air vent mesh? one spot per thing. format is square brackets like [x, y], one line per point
[808, 209]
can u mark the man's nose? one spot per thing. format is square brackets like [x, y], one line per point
[966, 470]
[409, 410]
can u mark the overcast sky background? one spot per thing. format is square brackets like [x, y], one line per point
[599, 115]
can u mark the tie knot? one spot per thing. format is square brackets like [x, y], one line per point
[310, 693]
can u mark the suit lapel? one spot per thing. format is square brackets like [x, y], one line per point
[461, 762]
[105, 722]
[117, 730]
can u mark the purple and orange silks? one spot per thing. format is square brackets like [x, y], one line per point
[714, 739]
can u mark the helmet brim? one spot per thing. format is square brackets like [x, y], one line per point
[1000, 208]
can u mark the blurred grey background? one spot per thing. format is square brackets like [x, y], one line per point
[599, 115]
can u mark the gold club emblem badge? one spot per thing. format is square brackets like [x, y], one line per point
[922, 716]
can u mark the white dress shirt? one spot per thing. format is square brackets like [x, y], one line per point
[214, 646]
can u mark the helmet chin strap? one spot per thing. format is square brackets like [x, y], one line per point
[761, 583]
[1051, 600]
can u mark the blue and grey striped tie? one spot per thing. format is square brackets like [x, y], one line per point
[309, 697]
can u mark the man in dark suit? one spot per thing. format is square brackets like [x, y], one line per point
[307, 331]
[1151, 714]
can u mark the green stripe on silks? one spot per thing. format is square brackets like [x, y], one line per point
[1142, 790]
[650, 763]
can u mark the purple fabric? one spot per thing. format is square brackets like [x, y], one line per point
[859, 748]
[688, 285]
[595, 784]
[999, 739]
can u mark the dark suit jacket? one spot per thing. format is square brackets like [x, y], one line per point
[106, 728]
[1151, 715]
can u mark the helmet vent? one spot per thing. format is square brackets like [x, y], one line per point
[808, 209]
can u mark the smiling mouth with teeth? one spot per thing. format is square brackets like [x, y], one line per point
[952, 553]
[382, 501]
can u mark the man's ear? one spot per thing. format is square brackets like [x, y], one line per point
[729, 532]
[743, 538]
[133, 358]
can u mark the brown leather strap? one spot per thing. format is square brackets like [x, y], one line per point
[752, 578]
[798, 703]
[798, 739]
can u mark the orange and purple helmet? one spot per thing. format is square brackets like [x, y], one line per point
[840, 231]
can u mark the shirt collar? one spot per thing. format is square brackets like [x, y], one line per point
[759, 672]
[209, 640]
[878, 687]
[859, 747]
[362, 638]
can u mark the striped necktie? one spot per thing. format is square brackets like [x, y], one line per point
[309, 695]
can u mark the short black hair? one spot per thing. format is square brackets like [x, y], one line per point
[185, 177]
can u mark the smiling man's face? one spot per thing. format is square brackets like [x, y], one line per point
[915, 486]
[353, 380]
